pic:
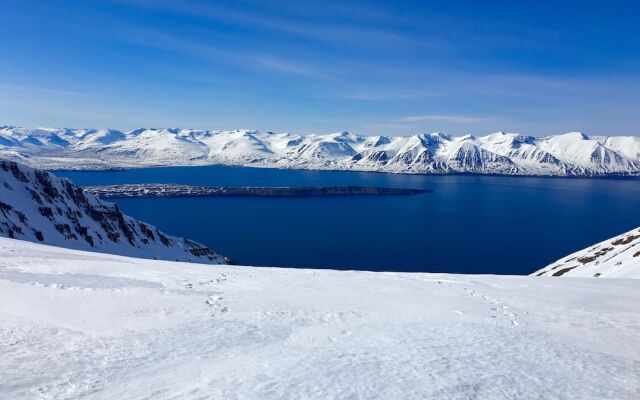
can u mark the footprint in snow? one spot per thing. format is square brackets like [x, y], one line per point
[214, 302]
[499, 310]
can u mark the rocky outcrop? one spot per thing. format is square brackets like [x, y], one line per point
[37, 206]
[617, 257]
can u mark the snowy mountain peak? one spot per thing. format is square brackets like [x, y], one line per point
[468, 137]
[39, 207]
[440, 136]
[138, 131]
[576, 136]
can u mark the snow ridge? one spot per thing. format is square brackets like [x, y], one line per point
[571, 154]
[39, 207]
[618, 257]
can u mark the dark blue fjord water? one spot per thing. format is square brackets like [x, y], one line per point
[469, 224]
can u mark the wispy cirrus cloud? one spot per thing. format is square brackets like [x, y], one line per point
[273, 19]
[288, 66]
[202, 49]
[50, 91]
[458, 119]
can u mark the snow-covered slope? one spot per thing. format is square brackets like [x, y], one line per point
[498, 153]
[618, 257]
[39, 207]
[85, 325]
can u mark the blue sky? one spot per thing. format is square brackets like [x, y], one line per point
[369, 67]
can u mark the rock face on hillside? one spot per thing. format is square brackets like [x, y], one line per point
[572, 154]
[618, 257]
[39, 207]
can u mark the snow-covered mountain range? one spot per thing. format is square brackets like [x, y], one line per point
[39, 207]
[498, 153]
[618, 257]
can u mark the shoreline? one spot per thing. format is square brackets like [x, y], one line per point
[614, 176]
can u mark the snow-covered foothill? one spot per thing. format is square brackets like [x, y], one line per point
[618, 257]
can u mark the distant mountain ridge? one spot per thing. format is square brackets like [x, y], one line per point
[39, 207]
[571, 154]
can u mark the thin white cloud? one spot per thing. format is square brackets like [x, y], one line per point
[286, 66]
[205, 51]
[58, 92]
[458, 119]
[365, 93]
[274, 20]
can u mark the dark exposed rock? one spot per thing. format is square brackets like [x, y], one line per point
[46, 212]
[146, 231]
[21, 217]
[15, 170]
[165, 240]
[75, 193]
[126, 229]
[625, 240]
[35, 196]
[113, 236]
[44, 179]
[73, 215]
[563, 271]
[599, 253]
[65, 230]
[198, 250]
[84, 232]
[5, 208]
[112, 222]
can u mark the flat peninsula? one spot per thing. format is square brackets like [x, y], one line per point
[172, 190]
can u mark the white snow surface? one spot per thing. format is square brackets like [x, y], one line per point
[498, 153]
[80, 325]
[40, 207]
[618, 257]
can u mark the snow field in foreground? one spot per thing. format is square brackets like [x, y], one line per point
[85, 325]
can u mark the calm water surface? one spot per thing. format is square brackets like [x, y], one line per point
[469, 224]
